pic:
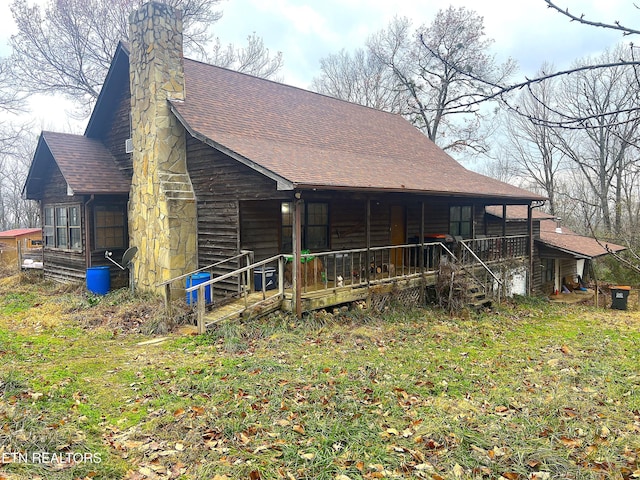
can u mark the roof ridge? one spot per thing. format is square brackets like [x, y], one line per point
[287, 85]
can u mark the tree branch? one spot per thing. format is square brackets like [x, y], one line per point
[615, 26]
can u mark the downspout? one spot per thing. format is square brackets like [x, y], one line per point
[595, 279]
[87, 231]
[503, 250]
[530, 241]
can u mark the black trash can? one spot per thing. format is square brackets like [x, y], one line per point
[619, 296]
[270, 278]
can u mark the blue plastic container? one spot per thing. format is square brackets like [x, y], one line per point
[197, 279]
[99, 280]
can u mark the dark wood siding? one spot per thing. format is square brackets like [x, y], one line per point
[119, 131]
[494, 227]
[260, 221]
[63, 265]
[537, 287]
[71, 265]
[222, 185]
[348, 223]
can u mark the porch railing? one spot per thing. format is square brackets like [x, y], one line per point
[330, 270]
[361, 266]
[491, 249]
[246, 275]
[179, 282]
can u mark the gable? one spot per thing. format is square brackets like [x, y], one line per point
[116, 82]
[85, 164]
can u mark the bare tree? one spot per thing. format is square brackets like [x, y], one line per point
[602, 150]
[66, 46]
[534, 145]
[396, 72]
[360, 78]
[254, 59]
[12, 135]
[15, 211]
[438, 93]
[501, 90]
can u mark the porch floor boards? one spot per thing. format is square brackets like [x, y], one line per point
[255, 304]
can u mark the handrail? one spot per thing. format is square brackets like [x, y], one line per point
[202, 286]
[484, 265]
[241, 254]
[233, 273]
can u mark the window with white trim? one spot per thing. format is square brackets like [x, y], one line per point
[63, 227]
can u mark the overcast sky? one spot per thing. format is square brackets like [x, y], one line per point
[305, 31]
[526, 30]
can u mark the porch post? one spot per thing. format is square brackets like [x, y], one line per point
[530, 248]
[368, 229]
[298, 205]
[504, 230]
[423, 282]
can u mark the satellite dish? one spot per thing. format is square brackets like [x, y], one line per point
[127, 262]
[128, 255]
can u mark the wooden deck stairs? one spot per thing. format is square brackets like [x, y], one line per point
[476, 296]
[254, 305]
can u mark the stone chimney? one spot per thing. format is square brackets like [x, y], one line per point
[162, 207]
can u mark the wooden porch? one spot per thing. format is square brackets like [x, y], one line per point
[327, 279]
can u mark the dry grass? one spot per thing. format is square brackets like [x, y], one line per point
[528, 391]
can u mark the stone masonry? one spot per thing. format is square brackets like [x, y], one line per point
[162, 207]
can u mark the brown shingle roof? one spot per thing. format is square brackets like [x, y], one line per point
[516, 212]
[572, 242]
[86, 164]
[311, 140]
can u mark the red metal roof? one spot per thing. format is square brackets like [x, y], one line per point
[308, 140]
[18, 232]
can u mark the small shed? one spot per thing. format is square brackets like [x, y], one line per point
[11, 241]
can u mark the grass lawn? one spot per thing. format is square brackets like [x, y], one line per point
[527, 391]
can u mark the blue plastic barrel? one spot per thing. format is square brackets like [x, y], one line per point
[99, 280]
[197, 279]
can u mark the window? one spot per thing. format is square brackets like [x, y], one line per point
[315, 235]
[62, 227]
[314, 228]
[110, 226]
[75, 235]
[49, 233]
[548, 270]
[460, 221]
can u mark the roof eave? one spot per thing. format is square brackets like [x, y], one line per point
[510, 199]
[94, 120]
[26, 193]
[577, 255]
